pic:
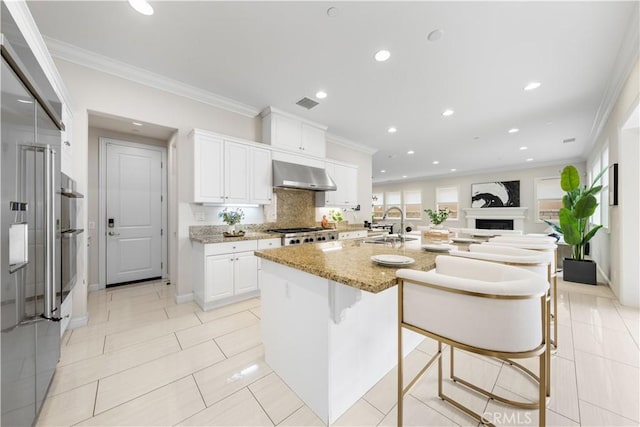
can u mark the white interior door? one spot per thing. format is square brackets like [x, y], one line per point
[133, 213]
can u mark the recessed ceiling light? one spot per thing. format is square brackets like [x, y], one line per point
[447, 112]
[410, 152]
[392, 129]
[453, 170]
[523, 148]
[25, 101]
[529, 159]
[141, 6]
[382, 55]
[514, 130]
[532, 86]
[332, 12]
[435, 35]
[321, 94]
[136, 124]
[435, 162]
[383, 171]
[404, 176]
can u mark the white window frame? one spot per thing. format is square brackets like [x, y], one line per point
[404, 203]
[438, 201]
[537, 199]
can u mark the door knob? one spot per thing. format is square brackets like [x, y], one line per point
[111, 233]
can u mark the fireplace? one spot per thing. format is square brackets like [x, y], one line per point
[494, 224]
[515, 216]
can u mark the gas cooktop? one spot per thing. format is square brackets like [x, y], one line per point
[295, 230]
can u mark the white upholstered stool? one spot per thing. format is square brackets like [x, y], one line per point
[545, 245]
[485, 308]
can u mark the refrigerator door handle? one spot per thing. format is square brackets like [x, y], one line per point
[49, 235]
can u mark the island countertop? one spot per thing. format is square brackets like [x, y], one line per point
[349, 261]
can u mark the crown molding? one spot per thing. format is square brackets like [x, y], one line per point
[338, 140]
[86, 58]
[626, 59]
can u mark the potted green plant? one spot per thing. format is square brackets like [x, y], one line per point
[231, 217]
[439, 216]
[578, 205]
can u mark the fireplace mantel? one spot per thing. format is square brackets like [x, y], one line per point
[518, 215]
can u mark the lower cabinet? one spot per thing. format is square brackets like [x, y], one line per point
[226, 272]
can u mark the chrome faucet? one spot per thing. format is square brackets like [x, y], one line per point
[401, 233]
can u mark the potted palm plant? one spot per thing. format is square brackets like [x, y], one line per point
[578, 205]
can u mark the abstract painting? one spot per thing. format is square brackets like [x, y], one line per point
[500, 194]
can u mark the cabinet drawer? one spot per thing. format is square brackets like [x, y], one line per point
[229, 247]
[269, 243]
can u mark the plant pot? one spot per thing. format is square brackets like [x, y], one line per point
[579, 271]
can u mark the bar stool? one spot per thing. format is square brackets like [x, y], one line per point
[505, 316]
[546, 245]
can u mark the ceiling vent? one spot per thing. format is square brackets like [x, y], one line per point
[307, 103]
[568, 140]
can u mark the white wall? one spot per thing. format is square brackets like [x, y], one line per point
[463, 183]
[91, 90]
[616, 249]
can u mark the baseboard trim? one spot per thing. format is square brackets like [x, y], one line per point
[604, 276]
[180, 299]
[94, 287]
[78, 322]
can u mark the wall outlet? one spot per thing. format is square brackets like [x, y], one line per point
[200, 216]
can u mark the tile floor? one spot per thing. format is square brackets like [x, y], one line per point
[143, 360]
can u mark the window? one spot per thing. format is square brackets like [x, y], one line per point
[601, 214]
[447, 198]
[412, 204]
[393, 199]
[548, 198]
[377, 204]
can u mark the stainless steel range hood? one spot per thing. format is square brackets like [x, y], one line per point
[291, 175]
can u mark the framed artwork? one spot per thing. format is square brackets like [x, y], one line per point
[499, 194]
[613, 185]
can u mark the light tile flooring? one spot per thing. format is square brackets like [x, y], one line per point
[143, 360]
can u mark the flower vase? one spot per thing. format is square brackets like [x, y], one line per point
[231, 229]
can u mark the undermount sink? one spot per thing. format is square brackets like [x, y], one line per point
[388, 239]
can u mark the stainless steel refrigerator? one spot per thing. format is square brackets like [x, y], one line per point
[29, 227]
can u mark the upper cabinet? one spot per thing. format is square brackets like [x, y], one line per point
[346, 179]
[284, 130]
[229, 172]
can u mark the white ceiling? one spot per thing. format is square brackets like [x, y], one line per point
[274, 53]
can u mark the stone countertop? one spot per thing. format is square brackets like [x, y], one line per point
[349, 261]
[219, 238]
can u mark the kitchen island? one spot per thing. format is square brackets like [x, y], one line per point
[329, 319]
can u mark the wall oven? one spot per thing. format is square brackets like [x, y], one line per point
[69, 232]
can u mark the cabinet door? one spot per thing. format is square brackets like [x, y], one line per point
[285, 132]
[313, 140]
[208, 169]
[261, 176]
[236, 172]
[349, 177]
[218, 276]
[245, 272]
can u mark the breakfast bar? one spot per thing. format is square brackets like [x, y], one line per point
[329, 318]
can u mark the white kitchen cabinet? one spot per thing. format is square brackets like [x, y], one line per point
[262, 176]
[208, 171]
[346, 179]
[236, 173]
[287, 131]
[266, 244]
[230, 172]
[355, 234]
[224, 272]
